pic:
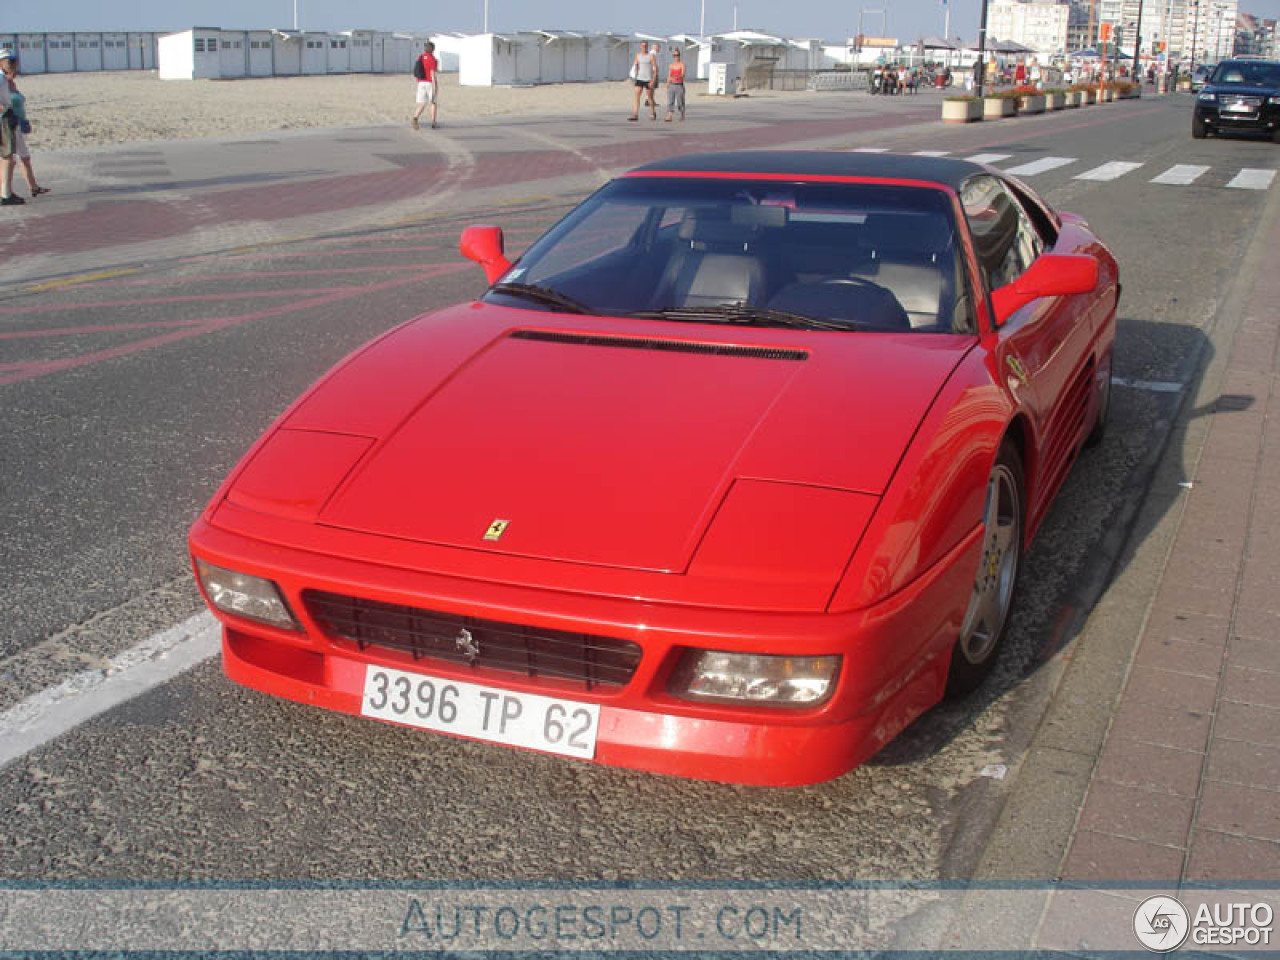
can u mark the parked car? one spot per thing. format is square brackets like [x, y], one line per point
[1200, 76]
[730, 476]
[1242, 94]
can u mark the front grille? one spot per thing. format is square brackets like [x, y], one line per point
[531, 651]
[1253, 103]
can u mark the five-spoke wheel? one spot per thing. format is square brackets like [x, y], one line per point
[994, 585]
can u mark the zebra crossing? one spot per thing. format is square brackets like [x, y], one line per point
[1181, 174]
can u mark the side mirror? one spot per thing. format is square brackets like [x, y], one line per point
[484, 245]
[1052, 275]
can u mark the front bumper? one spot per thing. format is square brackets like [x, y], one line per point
[1265, 119]
[895, 657]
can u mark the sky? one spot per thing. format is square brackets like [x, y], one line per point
[831, 20]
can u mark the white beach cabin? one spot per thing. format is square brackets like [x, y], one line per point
[190, 54]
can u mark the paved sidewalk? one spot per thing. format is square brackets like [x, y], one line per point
[1187, 785]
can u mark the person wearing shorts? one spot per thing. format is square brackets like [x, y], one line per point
[644, 74]
[427, 70]
[19, 127]
[675, 85]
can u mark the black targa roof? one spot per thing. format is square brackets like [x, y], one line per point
[817, 163]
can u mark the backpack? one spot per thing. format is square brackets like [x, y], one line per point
[419, 70]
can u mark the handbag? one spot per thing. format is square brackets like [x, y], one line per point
[635, 71]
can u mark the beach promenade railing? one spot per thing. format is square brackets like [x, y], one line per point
[768, 77]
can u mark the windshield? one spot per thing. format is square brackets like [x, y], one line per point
[817, 255]
[1242, 72]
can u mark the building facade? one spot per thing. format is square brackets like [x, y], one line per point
[1203, 30]
[1038, 24]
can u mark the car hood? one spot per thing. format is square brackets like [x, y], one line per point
[1239, 90]
[600, 441]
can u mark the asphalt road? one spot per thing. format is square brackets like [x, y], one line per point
[127, 398]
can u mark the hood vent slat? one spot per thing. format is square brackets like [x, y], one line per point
[655, 343]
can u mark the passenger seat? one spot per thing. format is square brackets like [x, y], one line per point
[715, 263]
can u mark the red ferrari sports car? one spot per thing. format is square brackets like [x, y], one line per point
[729, 476]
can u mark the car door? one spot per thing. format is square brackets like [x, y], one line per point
[1040, 349]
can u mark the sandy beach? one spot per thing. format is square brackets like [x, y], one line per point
[75, 110]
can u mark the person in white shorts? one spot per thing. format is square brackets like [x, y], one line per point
[426, 69]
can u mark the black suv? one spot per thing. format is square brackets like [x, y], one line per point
[1240, 95]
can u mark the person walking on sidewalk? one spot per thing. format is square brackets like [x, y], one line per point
[675, 85]
[18, 126]
[427, 71]
[644, 74]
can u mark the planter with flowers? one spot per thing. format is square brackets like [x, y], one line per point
[963, 109]
[1030, 99]
[997, 105]
[1055, 99]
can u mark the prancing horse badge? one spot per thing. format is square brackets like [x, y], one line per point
[496, 529]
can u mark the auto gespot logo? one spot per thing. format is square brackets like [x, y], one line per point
[1162, 924]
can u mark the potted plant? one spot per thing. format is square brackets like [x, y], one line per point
[1055, 99]
[1088, 93]
[997, 105]
[961, 109]
[1030, 99]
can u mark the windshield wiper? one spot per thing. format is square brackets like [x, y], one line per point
[531, 291]
[743, 313]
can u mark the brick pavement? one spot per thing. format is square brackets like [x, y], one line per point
[1187, 786]
[188, 211]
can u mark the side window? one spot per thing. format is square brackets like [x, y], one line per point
[1005, 238]
[1042, 221]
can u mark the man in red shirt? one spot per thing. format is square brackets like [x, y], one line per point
[426, 69]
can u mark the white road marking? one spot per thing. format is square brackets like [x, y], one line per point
[870, 150]
[158, 659]
[931, 153]
[1042, 165]
[1252, 179]
[1154, 386]
[988, 157]
[1108, 171]
[1181, 174]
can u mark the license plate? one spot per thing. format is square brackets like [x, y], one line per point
[565, 727]
[1238, 108]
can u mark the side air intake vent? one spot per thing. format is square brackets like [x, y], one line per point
[653, 343]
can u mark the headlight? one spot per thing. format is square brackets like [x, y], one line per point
[755, 678]
[1208, 97]
[1274, 101]
[245, 596]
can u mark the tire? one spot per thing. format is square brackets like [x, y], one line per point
[986, 621]
[1275, 136]
[1199, 129]
[1099, 431]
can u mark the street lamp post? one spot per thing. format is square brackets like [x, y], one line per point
[1195, 34]
[980, 70]
[1137, 48]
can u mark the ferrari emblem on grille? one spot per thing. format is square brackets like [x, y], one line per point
[496, 529]
[466, 643]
